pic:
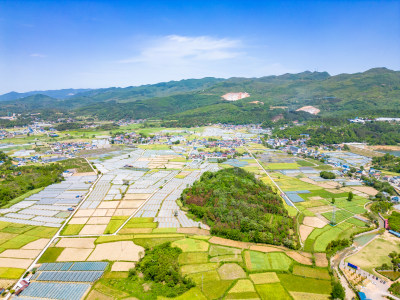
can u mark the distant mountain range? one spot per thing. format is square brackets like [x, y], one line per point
[197, 101]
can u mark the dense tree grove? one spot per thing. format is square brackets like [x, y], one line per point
[387, 162]
[394, 221]
[19, 180]
[160, 266]
[374, 133]
[327, 175]
[238, 206]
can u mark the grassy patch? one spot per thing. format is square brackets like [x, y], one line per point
[191, 245]
[374, 254]
[307, 285]
[311, 272]
[193, 258]
[72, 229]
[272, 291]
[268, 261]
[11, 273]
[51, 255]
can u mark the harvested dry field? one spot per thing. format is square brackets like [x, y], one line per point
[123, 250]
[314, 222]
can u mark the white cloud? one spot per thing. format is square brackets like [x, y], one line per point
[37, 55]
[176, 48]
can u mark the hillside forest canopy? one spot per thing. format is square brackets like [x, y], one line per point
[240, 207]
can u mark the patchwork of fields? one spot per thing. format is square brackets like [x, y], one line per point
[134, 207]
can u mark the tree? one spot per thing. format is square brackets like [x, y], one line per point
[337, 291]
[350, 196]
[333, 200]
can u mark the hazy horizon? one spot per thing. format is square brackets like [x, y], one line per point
[47, 45]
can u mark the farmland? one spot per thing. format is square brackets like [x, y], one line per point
[144, 197]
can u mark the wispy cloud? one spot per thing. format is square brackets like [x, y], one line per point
[37, 55]
[174, 48]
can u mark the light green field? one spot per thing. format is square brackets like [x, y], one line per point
[51, 255]
[72, 229]
[114, 224]
[340, 215]
[113, 238]
[216, 250]
[11, 273]
[272, 291]
[193, 258]
[282, 166]
[311, 272]
[194, 293]
[267, 261]
[191, 245]
[242, 286]
[196, 268]
[263, 278]
[154, 147]
[308, 285]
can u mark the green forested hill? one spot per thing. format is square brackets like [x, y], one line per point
[238, 206]
[375, 92]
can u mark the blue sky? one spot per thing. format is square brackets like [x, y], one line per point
[92, 44]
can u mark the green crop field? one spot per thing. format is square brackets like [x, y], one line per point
[311, 272]
[51, 255]
[262, 278]
[187, 269]
[152, 242]
[11, 273]
[216, 250]
[242, 286]
[258, 261]
[114, 224]
[326, 237]
[226, 258]
[272, 291]
[281, 166]
[72, 229]
[193, 258]
[191, 245]
[356, 222]
[309, 285]
[340, 215]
